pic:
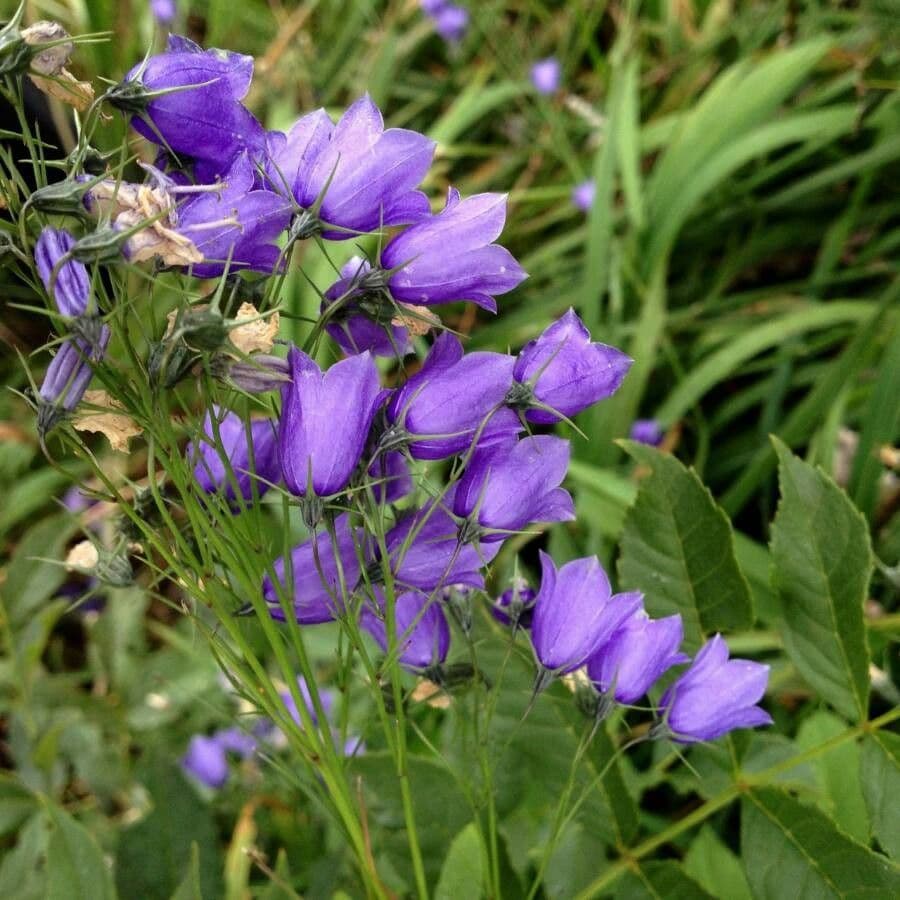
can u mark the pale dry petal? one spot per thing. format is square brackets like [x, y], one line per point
[52, 60]
[66, 87]
[419, 321]
[258, 334]
[84, 556]
[116, 426]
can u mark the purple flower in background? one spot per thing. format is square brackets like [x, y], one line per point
[365, 176]
[563, 370]
[391, 471]
[583, 195]
[69, 285]
[715, 696]
[237, 226]
[451, 256]
[637, 655]
[205, 760]
[423, 635]
[326, 698]
[451, 22]
[575, 613]
[351, 328]
[452, 399]
[510, 484]
[433, 7]
[515, 607]
[236, 741]
[197, 111]
[546, 75]
[325, 421]
[425, 551]
[318, 574]
[646, 431]
[210, 471]
[164, 11]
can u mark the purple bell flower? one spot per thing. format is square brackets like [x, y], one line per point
[391, 472]
[646, 431]
[563, 370]
[546, 75]
[423, 633]
[451, 256]
[715, 696]
[426, 553]
[70, 288]
[236, 741]
[325, 421]
[453, 399]
[515, 607]
[237, 226]
[198, 111]
[575, 613]
[210, 471]
[326, 698]
[636, 656]
[164, 11]
[510, 484]
[451, 22]
[583, 195]
[352, 330]
[318, 597]
[205, 760]
[364, 175]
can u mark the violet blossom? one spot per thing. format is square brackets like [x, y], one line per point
[546, 75]
[646, 431]
[67, 283]
[515, 606]
[583, 195]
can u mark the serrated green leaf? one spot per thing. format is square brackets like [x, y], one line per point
[656, 880]
[678, 548]
[76, 869]
[880, 776]
[715, 868]
[462, 873]
[822, 563]
[794, 852]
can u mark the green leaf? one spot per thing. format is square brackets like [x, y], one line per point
[461, 874]
[794, 852]
[678, 548]
[822, 563]
[76, 869]
[656, 880]
[715, 868]
[837, 773]
[189, 889]
[880, 773]
[22, 872]
[17, 803]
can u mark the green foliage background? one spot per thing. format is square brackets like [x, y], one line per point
[743, 249]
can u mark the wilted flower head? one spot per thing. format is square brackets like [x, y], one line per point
[260, 468]
[451, 256]
[188, 100]
[511, 483]
[364, 176]
[454, 399]
[564, 371]
[67, 283]
[325, 421]
[583, 195]
[318, 575]
[715, 696]
[423, 635]
[636, 656]
[546, 75]
[575, 613]
[646, 431]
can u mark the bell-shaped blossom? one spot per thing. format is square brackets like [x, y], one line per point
[425, 551]
[546, 75]
[69, 285]
[452, 255]
[258, 466]
[422, 632]
[391, 476]
[363, 175]
[205, 760]
[325, 421]
[318, 574]
[236, 741]
[509, 484]
[235, 227]
[575, 613]
[636, 656]
[351, 327]
[715, 696]
[164, 11]
[188, 100]
[646, 431]
[515, 606]
[583, 195]
[454, 399]
[451, 22]
[564, 371]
